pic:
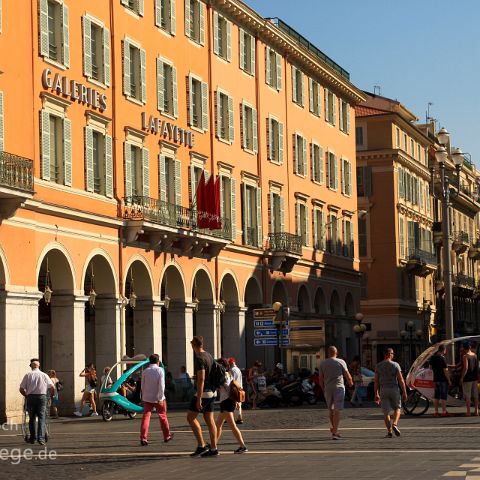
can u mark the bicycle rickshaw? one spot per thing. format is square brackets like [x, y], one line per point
[421, 384]
[26, 421]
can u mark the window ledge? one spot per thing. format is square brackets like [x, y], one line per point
[299, 105]
[317, 115]
[195, 42]
[247, 73]
[247, 150]
[98, 83]
[55, 63]
[168, 115]
[197, 129]
[134, 100]
[224, 140]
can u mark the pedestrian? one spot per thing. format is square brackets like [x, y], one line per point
[252, 374]
[469, 378]
[202, 401]
[333, 372]
[356, 373]
[388, 382]
[153, 396]
[238, 377]
[35, 386]
[227, 407]
[185, 383]
[55, 399]
[441, 379]
[106, 375]
[90, 375]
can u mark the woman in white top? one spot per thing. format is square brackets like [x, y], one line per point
[227, 407]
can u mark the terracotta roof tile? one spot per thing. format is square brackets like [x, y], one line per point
[363, 111]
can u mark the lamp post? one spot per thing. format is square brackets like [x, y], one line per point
[279, 321]
[359, 330]
[441, 156]
[408, 332]
[426, 311]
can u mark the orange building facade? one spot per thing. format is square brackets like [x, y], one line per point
[108, 117]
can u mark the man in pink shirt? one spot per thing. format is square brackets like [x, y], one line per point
[153, 395]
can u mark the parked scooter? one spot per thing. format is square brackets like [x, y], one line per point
[269, 397]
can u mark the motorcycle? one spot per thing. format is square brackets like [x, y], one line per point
[269, 397]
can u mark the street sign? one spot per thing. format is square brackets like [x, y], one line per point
[270, 333]
[264, 313]
[260, 342]
[267, 323]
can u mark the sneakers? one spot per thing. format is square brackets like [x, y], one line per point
[77, 413]
[143, 443]
[336, 436]
[94, 414]
[239, 421]
[447, 414]
[169, 438]
[241, 450]
[41, 442]
[200, 450]
[396, 431]
[389, 435]
[210, 453]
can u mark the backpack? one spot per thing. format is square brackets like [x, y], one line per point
[218, 375]
[237, 393]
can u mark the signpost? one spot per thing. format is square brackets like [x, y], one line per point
[264, 313]
[261, 342]
[268, 331]
[267, 324]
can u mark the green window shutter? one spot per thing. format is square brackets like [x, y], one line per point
[231, 126]
[67, 151]
[334, 111]
[163, 178]
[242, 48]
[141, 7]
[280, 143]
[243, 123]
[106, 56]
[128, 169]
[295, 153]
[302, 93]
[335, 172]
[108, 166]
[222, 206]
[267, 66]
[269, 139]
[342, 128]
[319, 101]
[173, 18]
[89, 159]
[282, 214]
[146, 172]
[189, 99]
[349, 178]
[175, 92]
[327, 107]
[233, 204]
[244, 212]
[313, 167]
[187, 17]
[320, 164]
[297, 219]
[307, 228]
[143, 74]
[215, 33]
[252, 55]
[126, 68]
[310, 94]
[204, 106]
[87, 46]
[278, 59]
[347, 106]
[43, 9]
[294, 85]
[254, 130]
[158, 12]
[202, 23]
[160, 85]
[259, 218]
[178, 182]
[45, 123]
[342, 177]
[2, 128]
[271, 214]
[124, 3]
[229, 40]
[304, 156]
[217, 113]
[66, 36]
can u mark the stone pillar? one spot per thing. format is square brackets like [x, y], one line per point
[18, 344]
[207, 327]
[68, 347]
[180, 332]
[147, 327]
[107, 332]
[233, 334]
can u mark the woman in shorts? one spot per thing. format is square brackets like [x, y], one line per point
[90, 375]
[227, 407]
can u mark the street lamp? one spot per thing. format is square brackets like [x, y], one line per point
[441, 156]
[359, 330]
[426, 311]
[279, 322]
[409, 328]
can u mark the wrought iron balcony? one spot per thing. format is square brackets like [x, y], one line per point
[460, 241]
[16, 172]
[251, 236]
[464, 281]
[285, 242]
[421, 262]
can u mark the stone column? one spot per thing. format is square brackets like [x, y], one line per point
[107, 332]
[207, 327]
[147, 327]
[18, 344]
[233, 334]
[180, 332]
[68, 347]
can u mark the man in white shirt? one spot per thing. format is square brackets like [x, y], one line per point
[35, 386]
[153, 395]
[237, 376]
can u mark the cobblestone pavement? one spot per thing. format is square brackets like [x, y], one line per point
[284, 443]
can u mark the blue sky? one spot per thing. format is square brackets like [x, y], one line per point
[418, 51]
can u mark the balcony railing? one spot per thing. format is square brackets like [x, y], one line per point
[422, 256]
[464, 281]
[285, 242]
[461, 237]
[251, 236]
[16, 172]
[171, 215]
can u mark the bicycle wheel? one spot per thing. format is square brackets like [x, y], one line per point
[416, 404]
[107, 411]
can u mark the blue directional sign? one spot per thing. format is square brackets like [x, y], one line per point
[260, 342]
[270, 333]
[266, 324]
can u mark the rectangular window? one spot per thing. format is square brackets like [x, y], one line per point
[346, 177]
[170, 193]
[412, 148]
[222, 44]
[96, 50]
[332, 171]
[165, 15]
[135, 6]
[54, 36]
[251, 217]
[134, 71]
[54, 31]
[247, 52]
[249, 128]
[195, 21]
[319, 224]
[362, 236]
[316, 159]
[56, 150]
[405, 142]
[302, 223]
[348, 250]
[297, 86]
[334, 245]
[197, 103]
[273, 68]
[330, 107]
[276, 224]
[344, 116]
[314, 95]
[167, 96]
[224, 117]
[359, 136]
[401, 235]
[136, 171]
[300, 154]
[98, 162]
[419, 152]
[275, 140]
[397, 137]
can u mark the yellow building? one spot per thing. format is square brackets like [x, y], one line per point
[109, 114]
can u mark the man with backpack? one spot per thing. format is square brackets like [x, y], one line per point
[206, 374]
